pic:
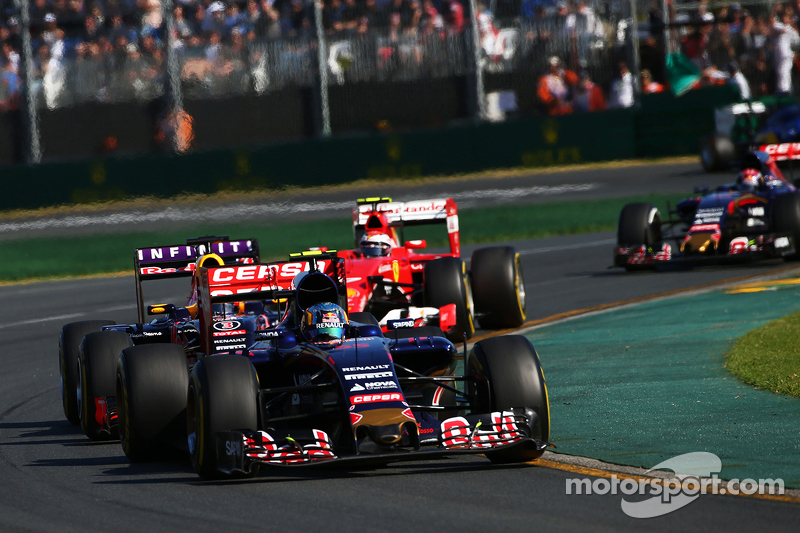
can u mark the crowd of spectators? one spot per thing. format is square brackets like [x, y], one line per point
[115, 50]
[752, 47]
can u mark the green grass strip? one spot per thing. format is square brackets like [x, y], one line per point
[769, 357]
[102, 253]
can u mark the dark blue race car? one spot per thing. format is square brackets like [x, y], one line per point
[325, 388]
[756, 217]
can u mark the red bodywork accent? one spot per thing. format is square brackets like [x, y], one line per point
[100, 411]
[447, 317]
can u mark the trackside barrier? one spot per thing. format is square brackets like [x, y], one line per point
[663, 126]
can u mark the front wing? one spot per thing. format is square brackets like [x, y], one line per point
[246, 451]
[755, 247]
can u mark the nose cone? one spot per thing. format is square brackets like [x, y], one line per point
[386, 435]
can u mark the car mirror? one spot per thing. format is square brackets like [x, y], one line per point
[416, 245]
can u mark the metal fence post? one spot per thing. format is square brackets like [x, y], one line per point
[173, 89]
[634, 40]
[480, 96]
[30, 118]
[322, 49]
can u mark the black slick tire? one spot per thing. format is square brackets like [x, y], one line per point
[639, 224]
[152, 381]
[716, 152]
[68, 351]
[446, 283]
[97, 371]
[786, 218]
[223, 391]
[506, 373]
[498, 287]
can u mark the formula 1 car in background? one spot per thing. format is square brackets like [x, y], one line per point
[773, 128]
[88, 349]
[756, 217]
[393, 278]
[325, 388]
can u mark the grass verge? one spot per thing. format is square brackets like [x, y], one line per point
[769, 357]
[56, 257]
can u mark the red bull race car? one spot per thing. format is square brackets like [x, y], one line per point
[393, 278]
[323, 387]
[756, 217]
[88, 350]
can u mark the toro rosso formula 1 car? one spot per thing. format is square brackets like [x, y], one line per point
[325, 388]
[88, 350]
[756, 217]
[393, 278]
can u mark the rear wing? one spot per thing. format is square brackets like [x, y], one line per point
[270, 282]
[366, 216]
[781, 152]
[178, 261]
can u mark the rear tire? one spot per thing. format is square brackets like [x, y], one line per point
[223, 391]
[498, 287]
[507, 373]
[786, 218]
[152, 380]
[716, 152]
[445, 283]
[68, 353]
[97, 371]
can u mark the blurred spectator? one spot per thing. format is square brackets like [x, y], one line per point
[233, 18]
[214, 19]
[695, 45]
[622, 88]
[648, 85]
[453, 13]
[182, 27]
[268, 21]
[332, 19]
[588, 96]
[91, 31]
[10, 84]
[737, 78]
[351, 15]
[786, 39]
[554, 88]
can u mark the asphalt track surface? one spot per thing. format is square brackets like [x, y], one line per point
[53, 479]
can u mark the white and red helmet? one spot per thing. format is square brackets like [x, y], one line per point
[750, 178]
[376, 245]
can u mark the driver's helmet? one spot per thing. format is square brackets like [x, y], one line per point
[325, 324]
[223, 310]
[376, 245]
[749, 179]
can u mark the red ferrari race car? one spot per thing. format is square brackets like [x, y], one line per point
[392, 278]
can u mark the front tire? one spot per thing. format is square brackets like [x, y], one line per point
[97, 368]
[786, 218]
[222, 397]
[639, 224]
[506, 373]
[152, 380]
[445, 283]
[498, 287]
[68, 352]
